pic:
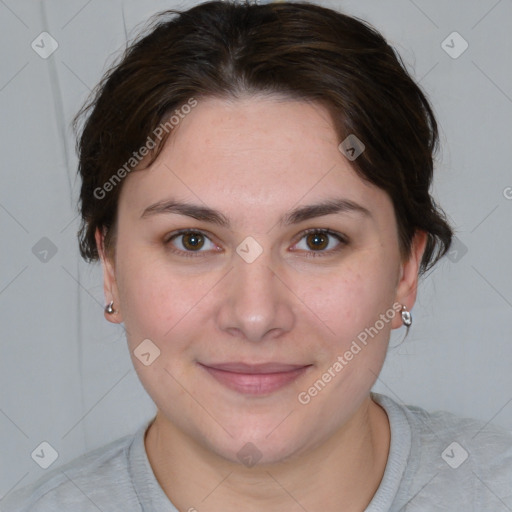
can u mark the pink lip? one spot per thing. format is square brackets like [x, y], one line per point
[258, 379]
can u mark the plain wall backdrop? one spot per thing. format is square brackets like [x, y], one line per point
[65, 373]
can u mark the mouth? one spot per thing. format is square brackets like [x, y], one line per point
[255, 379]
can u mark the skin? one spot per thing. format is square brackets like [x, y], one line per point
[255, 159]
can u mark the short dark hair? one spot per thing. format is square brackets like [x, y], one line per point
[299, 50]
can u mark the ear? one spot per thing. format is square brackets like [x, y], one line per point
[109, 280]
[407, 285]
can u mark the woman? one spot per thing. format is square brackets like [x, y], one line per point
[255, 182]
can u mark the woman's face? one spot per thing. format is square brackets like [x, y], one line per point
[227, 269]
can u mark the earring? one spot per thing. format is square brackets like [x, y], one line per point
[109, 308]
[406, 317]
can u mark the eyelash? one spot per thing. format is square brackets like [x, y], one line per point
[309, 254]
[342, 239]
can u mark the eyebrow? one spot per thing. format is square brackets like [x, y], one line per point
[297, 215]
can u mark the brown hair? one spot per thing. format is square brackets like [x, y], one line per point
[299, 50]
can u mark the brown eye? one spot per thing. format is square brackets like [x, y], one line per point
[321, 242]
[192, 241]
[317, 241]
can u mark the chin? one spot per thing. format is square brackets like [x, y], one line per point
[269, 442]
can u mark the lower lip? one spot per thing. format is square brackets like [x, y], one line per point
[255, 383]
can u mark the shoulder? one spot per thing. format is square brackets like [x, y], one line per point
[86, 483]
[462, 439]
[455, 459]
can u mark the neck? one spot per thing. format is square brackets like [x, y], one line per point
[344, 471]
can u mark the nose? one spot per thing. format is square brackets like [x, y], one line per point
[256, 304]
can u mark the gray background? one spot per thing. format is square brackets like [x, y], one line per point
[65, 373]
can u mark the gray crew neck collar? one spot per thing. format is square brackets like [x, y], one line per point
[153, 499]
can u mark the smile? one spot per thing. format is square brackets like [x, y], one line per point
[255, 379]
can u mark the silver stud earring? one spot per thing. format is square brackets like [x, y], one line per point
[109, 308]
[406, 317]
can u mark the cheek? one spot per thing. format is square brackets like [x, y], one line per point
[351, 298]
[160, 305]
[156, 300]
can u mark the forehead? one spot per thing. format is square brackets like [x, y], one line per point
[256, 155]
[250, 131]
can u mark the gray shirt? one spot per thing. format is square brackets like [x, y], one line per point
[437, 461]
